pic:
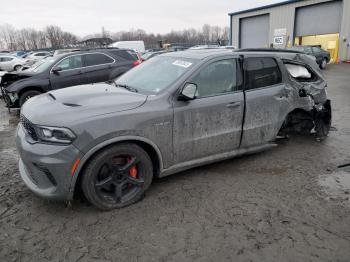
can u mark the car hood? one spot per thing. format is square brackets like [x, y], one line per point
[9, 78]
[73, 104]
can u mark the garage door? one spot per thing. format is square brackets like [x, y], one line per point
[319, 19]
[254, 31]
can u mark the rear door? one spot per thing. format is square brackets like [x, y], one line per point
[70, 74]
[267, 100]
[212, 122]
[97, 67]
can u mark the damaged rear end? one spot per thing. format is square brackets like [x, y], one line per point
[313, 110]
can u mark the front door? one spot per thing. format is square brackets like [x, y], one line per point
[267, 101]
[70, 72]
[211, 123]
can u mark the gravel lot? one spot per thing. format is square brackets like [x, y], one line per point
[290, 203]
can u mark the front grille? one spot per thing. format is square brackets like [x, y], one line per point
[29, 127]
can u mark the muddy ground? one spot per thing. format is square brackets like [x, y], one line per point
[290, 203]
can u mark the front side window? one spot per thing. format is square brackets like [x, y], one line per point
[216, 78]
[261, 72]
[97, 59]
[71, 62]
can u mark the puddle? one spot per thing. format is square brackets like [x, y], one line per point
[337, 184]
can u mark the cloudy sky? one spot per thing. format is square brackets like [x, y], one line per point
[88, 16]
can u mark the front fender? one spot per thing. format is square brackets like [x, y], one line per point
[20, 85]
[84, 159]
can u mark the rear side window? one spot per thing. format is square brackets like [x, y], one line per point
[97, 59]
[300, 73]
[125, 55]
[261, 72]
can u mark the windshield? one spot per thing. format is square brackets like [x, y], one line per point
[43, 65]
[156, 74]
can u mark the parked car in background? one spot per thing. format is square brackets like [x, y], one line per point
[19, 53]
[35, 57]
[200, 47]
[323, 57]
[33, 66]
[177, 48]
[149, 55]
[138, 46]
[64, 51]
[10, 63]
[98, 65]
[177, 111]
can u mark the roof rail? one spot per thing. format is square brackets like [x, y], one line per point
[272, 50]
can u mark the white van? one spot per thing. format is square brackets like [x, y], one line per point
[138, 46]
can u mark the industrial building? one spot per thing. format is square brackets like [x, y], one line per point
[295, 22]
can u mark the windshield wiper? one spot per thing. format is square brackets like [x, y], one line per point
[129, 88]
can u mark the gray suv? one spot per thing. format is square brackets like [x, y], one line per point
[173, 112]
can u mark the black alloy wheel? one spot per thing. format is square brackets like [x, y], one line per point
[118, 176]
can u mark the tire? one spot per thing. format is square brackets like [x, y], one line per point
[107, 181]
[17, 68]
[323, 64]
[27, 95]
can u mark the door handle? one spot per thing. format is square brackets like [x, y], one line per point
[233, 104]
[80, 72]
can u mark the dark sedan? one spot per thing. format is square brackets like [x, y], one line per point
[84, 67]
[323, 57]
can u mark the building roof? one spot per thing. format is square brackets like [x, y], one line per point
[265, 7]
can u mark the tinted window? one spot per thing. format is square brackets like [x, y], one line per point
[217, 78]
[71, 62]
[97, 59]
[261, 72]
[6, 59]
[125, 55]
[41, 54]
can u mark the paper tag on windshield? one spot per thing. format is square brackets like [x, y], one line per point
[184, 64]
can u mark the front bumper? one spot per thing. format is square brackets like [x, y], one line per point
[45, 168]
[11, 99]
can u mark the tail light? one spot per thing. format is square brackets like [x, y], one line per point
[137, 62]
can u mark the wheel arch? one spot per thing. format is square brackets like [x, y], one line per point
[16, 66]
[28, 88]
[151, 149]
[292, 118]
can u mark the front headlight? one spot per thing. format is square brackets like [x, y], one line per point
[57, 135]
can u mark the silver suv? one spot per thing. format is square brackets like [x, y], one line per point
[174, 112]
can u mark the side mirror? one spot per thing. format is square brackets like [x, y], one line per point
[56, 69]
[188, 92]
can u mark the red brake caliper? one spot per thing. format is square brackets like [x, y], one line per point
[133, 170]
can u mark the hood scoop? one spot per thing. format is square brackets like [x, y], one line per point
[71, 105]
